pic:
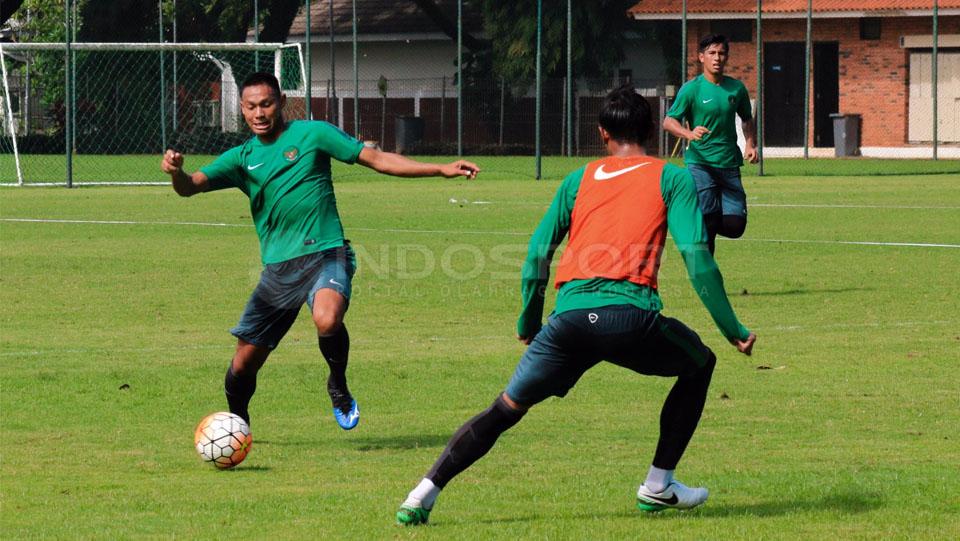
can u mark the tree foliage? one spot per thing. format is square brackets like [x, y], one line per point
[598, 32]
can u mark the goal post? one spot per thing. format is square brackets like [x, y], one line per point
[128, 103]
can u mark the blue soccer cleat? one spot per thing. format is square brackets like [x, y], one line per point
[347, 418]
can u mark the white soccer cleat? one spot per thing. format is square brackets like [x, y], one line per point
[675, 496]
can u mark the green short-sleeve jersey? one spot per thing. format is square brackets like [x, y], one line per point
[290, 187]
[702, 103]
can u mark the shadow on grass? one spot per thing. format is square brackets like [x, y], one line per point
[796, 291]
[415, 441]
[845, 502]
[252, 469]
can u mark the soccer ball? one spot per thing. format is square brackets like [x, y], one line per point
[223, 439]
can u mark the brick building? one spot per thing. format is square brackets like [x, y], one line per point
[871, 58]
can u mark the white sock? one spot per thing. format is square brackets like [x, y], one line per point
[424, 495]
[658, 479]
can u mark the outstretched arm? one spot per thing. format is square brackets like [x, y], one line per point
[185, 185]
[390, 163]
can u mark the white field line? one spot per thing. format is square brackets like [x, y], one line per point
[464, 232]
[826, 206]
[226, 348]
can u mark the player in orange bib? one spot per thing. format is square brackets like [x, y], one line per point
[616, 212]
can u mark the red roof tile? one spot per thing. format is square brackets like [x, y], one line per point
[701, 7]
[380, 17]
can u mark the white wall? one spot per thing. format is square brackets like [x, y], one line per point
[394, 60]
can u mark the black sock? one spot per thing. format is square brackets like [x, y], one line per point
[239, 390]
[336, 350]
[680, 415]
[473, 440]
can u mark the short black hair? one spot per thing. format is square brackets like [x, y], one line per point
[626, 115]
[261, 78]
[711, 39]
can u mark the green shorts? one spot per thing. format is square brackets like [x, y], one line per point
[573, 342]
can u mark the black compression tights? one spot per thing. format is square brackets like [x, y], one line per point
[473, 440]
[680, 415]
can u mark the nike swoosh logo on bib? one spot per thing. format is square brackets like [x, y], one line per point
[600, 174]
[252, 167]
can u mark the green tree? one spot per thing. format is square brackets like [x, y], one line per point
[598, 32]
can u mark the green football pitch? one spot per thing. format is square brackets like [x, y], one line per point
[115, 305]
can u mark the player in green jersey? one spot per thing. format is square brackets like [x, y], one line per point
[285, 171]
[709, 104]
[615, 213]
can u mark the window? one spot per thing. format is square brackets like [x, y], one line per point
[734, 29]
[870, 28]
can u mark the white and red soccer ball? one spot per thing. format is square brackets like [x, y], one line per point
[223, 439]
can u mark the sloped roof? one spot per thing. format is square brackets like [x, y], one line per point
[647, 8]
[381, 17]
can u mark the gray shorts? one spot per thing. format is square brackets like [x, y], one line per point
[719, 190]
[573, 342]
[283, 289]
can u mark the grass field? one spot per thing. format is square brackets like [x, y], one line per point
[113, 342]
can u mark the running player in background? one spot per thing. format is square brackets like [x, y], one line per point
[709, 103]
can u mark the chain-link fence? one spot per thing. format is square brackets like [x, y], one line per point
[419, 116]
[127, 102]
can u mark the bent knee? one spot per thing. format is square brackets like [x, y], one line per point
[708, 365]
[734, 226]
[327, 323]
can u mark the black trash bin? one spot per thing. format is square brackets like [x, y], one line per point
[846, 134]
[409, 132]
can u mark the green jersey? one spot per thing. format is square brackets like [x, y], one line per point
[702, 103]
[289, 185]
[685, 223]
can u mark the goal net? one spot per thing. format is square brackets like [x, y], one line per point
[118, 106]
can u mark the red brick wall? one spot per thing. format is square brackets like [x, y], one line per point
[873, 74]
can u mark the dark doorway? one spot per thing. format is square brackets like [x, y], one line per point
[826, 91]
[783, 94]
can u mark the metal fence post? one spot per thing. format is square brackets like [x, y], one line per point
[503, 103]
[308, 91]
[568, 110]
[539, 89]
[163, 88]
[356, 76]
[760, 85]
[933, 72]
[68, 141]
[806, 82]
[459, 78]
[333, 71]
